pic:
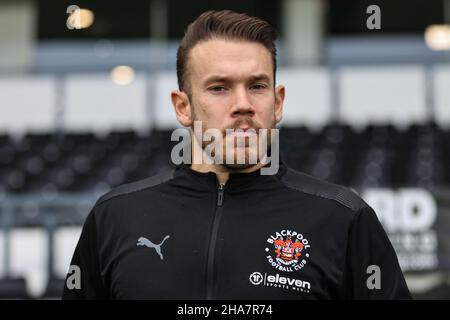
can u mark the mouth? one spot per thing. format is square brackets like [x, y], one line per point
[244, 132]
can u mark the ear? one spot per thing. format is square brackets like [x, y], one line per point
[182, 107]
[279, 100]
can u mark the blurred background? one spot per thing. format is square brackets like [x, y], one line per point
[85, 106]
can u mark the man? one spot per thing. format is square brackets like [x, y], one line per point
[223, 229]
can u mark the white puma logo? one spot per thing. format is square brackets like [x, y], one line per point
[145, 242]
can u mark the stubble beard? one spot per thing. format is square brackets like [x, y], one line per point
[235, 166]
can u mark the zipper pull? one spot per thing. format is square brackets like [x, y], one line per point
[220, 195]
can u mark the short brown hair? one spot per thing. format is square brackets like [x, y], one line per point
[225, 24]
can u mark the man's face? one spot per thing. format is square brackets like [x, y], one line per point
[232, 87]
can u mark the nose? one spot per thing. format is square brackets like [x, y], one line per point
[242, 105]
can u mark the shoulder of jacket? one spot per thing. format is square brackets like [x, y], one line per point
[313, 186]
[137, 186]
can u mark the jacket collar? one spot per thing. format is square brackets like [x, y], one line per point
[237, 182]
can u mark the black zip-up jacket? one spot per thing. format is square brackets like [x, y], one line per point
[181, 235]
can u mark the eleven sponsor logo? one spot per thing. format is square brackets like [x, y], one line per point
[277, 281]
[288, 250]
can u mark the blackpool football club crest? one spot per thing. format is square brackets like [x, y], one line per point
[287, 250]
